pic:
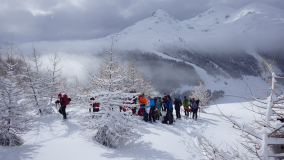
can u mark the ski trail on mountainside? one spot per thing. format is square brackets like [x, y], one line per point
[201, 72]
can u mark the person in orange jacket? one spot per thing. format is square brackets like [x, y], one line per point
[142, 101]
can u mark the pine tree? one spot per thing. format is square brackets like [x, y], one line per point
[134, 79]
[148, 88]
[112, 127]
[15, 118]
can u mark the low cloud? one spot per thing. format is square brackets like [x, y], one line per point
[55, 20]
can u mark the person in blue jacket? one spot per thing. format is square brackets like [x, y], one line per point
[152, 106]
[194, 108]
[169, 105]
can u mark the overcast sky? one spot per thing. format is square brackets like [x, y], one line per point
[38, 20]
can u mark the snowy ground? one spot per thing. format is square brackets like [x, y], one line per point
[52, 138]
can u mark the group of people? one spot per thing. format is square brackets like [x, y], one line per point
[158, 104]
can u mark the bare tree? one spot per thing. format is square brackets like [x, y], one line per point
[35, 81]
[54, 76]
[263, 137]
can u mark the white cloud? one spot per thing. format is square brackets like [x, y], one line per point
[38, 12]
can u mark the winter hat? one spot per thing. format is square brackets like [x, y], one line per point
[60, 94]
[165, 93]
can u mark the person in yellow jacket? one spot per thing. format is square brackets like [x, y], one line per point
[142, 101]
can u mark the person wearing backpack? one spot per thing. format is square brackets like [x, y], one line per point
[63, 102]
[142, 102]
[177, 103]
[164, 102]
[159, 106]
[186, 104]
[169, 105]
[152, 107]
[194, 108]
[134, 101]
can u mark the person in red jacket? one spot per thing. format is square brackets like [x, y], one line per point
[63, 102]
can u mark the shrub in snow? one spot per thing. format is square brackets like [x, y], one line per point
[111, 126]
[212, 152]
[115, 128]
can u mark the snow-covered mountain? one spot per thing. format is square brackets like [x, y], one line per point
[254, 27]
[221, 43]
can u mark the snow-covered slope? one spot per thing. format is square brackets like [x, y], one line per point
[52, 138]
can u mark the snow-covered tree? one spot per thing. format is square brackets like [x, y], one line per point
[264, 136]
[15, 118]
[112, 127]
[148, 88]
[75, 90]
[54, 76]
[134, 79]
[201, 94]
[35, 81]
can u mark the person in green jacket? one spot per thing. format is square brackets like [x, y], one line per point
[186, 104]
[159, 106]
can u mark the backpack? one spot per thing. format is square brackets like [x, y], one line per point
[155, 100]
[194, 105]
[65, 97]
[140, 112]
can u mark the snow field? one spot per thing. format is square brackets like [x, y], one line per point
[57, 139]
